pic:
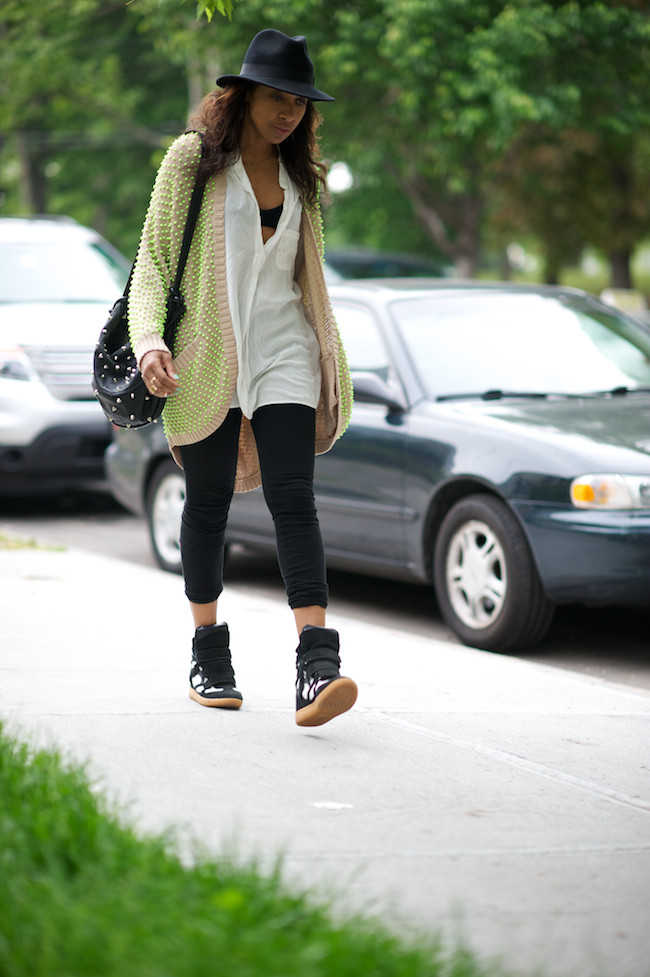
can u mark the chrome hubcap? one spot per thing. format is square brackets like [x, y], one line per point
[476, 575]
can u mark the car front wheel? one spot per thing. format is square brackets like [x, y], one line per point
[487, 585]
[165, 500]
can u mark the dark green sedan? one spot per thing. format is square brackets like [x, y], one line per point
[499, 449]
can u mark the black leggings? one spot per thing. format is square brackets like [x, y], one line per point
[285, 435]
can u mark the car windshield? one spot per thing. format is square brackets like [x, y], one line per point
[56, 272]
[500, 343]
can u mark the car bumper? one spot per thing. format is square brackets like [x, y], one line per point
[590, 557]
[62, 456]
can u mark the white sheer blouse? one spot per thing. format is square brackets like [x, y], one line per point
[277, 349]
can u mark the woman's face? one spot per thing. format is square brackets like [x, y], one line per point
[274, 114]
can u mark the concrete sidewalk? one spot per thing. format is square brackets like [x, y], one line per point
[468, 794]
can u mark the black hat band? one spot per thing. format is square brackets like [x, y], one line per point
[274, 71]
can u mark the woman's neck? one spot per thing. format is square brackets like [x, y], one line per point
[256, 152]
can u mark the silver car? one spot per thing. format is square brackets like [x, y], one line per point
[58, 281]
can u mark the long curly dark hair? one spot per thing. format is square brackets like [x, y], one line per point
[220, 116]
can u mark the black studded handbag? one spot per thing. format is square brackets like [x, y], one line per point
[117, 383]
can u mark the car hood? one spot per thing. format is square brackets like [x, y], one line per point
[607, 432]
[52, 324]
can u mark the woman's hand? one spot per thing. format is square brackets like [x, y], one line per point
[159, 375]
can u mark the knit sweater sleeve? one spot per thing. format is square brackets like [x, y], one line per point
[160, 244]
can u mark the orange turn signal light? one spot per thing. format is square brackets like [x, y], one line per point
[582, 492]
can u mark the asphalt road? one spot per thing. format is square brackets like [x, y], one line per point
[609, 643]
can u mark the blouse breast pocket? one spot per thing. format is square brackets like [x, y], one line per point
[287, 249]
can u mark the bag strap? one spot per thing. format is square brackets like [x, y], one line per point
[192, 217]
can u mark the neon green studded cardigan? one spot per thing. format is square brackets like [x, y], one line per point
[205, 354]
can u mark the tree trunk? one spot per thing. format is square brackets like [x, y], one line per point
[32, 173]
[619, 261]
[466, 265]
[453, 226]
[201, 71]
[467, 238]
[551, 271]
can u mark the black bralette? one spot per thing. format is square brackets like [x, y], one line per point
[271, 217]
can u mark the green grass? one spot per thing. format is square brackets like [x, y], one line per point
[82, 895]
[16, 543]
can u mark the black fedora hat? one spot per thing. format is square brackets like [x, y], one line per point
[281, 62]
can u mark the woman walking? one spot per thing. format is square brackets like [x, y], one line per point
[257, 382]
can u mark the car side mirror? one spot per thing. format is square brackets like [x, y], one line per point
[371, 389]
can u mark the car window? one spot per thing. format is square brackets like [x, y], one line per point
[58, 272]
[524, 342]
[365, 349]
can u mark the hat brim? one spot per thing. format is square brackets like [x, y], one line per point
[282, 85]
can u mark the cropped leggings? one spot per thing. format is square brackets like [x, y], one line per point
[285, 435]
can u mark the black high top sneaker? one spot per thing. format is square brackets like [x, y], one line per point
[212, 680]
[321, 692]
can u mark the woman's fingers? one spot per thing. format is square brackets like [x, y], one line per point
[159, 374]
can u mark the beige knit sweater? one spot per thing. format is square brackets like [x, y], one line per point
[205, 355]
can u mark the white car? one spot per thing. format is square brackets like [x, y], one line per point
[58, 281]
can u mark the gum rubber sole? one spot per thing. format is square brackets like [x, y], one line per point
[336, 698]
[218, 703]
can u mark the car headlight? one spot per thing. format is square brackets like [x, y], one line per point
[15, 365]
[611, 491]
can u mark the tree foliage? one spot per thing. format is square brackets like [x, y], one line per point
[86, 107]
[452, 89]
[457, 117]
[211, 7]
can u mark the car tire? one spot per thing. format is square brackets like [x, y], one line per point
[486, 582]
[164, 508]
